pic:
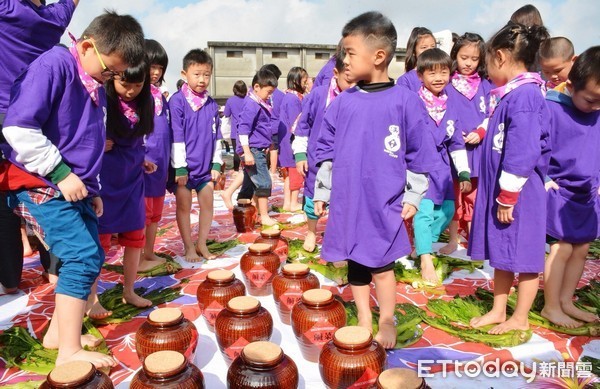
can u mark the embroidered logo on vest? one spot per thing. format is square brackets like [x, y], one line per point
[450, 128]
[392, 141]
[482, 105]
[499, 139]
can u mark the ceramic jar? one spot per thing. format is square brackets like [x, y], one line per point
[279, 244]
[213, 294]
[315, 318]
[166, 329]
[259, 266]
[351, 358]
[262, 365]
[399, 378]
[77, 374]
[243, 321]
[288, 286]
[244, 216]
[167, 370]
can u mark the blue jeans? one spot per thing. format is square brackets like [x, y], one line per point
[259, 173]
[71, 232]
[430, 221]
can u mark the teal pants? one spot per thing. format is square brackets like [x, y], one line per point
[430, 221]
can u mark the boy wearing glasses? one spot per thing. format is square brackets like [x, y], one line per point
[55, 130]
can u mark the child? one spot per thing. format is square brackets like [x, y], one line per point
[305, 140]
[196, 154]
[255, 135]
[129, 119]
[420, 39]
[510, 210]
[326, 73]
[437, 208]
[276, 100]
[556, 56]
[233, 108]
[158, 152]
[64, 146]
[573, 203]
[291, 107]
[468, 92]
[371, 139]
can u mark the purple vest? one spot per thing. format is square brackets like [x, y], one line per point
[410, 80]
[255, 121]
[291, 107]
[325, 74]
[233, 108]
[158, 151]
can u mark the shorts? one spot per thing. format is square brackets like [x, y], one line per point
[296, 180]
[154, 209]
[309, 208]
[135, 239]
[259, 173]
[198, 187]
[360, 275]
[464, 202]
[551, 240]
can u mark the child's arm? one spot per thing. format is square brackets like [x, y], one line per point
[217, 160]
[475, 137]
[324, 158]
[322, 192]
[178, 151]
[416, 187]
[458, 153]
[302, 133]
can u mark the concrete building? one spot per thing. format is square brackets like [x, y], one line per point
[240, 60]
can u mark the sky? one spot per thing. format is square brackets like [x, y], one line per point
[181, 25]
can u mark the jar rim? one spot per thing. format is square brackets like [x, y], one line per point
[179, 363]
[154, 318]
[65, 373]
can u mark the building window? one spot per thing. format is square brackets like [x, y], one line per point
[234, 54]
[279, 54]
[323, 56]
[399, 58]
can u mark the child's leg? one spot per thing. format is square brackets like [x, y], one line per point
[503, 281]
[131, 257]
[287, 195]
[11, 248]
[262, 180]
[554, 273]
[27, 250]
[93, 308]
[359, 278]
[422, 223]
[571, 278]
[227, 194]
[442, 216]
[385, 287]
[529, 284]
[296, 182]
[452, 245]
[183, 201]
[205, 201]
[154, 207]
[310, 241]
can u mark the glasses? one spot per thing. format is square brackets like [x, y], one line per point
[106, 72]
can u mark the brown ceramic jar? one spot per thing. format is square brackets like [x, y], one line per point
[262, 365]
[315, 318]
[77, 374]
[243, 321]
[288, 286]
[166, 329]
[259, 266]
[244, 216]
[219, 287]
[352, 358]
[399, 378]
[279, 244]
[167, 370]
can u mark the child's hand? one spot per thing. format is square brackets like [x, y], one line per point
[505, 214]
[408, 211]
[465, 187]
[249, 159]
[215, 175]
[98, 206]
[72, 188]
[181, 180]
[302, 167]
[552, 185]
[472, 138]
[149, 167]
[319, 208]
[108, 145]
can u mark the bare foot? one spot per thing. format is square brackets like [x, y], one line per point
[310, 242]
[509, 325]
[387, 334]
[52, 278]
[146, 265]
[560, 318]
[366, 321]
[151, 257]
[449, 248]
[191, 255]
[492, 317]
[202, 249]
[267, 221]
[4, 290]
[297, 208]
[226, 200]
[413, 254]
[428, 273]
[97, 359]
[134, 299]
[98, 312]
[87, 340]
[570, 309]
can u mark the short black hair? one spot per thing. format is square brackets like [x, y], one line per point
[376, 27]
[157, 55]
[179, 84]
[294, 79]
[240, 89]
[119, 34]
[557, 47]
[264, 77]
[339, 60]
[586, 68]
[273, 68]
[527, 15]
[197, 57]
[432, 59]
[469, 38]
[521, 41]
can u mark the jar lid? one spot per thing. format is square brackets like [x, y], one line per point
[164, 363]
[244, 201]
[399, 378]
[296, 268]
[352, 336]
[165, 315]
[243, 304]
[271, 233]
[221, 275]
[317, 296]
[71, 372]
[262, 352]
[259, 248]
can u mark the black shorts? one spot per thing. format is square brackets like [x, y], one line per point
[360, 275]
